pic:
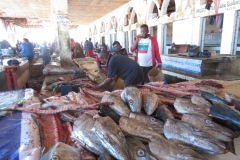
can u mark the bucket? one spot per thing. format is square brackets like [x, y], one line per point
[155, 74]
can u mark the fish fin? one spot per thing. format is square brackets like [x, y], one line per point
[230, 146]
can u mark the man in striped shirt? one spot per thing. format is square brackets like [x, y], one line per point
[147, 51]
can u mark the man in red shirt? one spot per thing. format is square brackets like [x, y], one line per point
[147, 51]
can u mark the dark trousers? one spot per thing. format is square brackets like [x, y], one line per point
[145, 72]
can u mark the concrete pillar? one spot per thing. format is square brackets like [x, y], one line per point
[60, 22]
[129, 39]
[138, 31]
[120, 38]
[229, 32]
[161, 37]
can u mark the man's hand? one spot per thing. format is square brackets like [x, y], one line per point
[159, 66]
[139, 37]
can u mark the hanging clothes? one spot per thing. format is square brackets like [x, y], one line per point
[208, 5]
[220, 22]
[212, 20]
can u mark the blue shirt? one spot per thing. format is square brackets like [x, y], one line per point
[89, 46]
[43, 50]
[27, 49]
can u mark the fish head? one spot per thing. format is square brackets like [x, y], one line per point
[187, 133]
[150, 102]
[138, 150]
[62, 151]
[133, 97]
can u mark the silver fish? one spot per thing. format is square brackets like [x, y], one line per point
[230, 97]
[165, 149]
[193, 136]
[118, 105]
[138, 151]
[137, 128]
[210, 127]
[163, 113]
[199, 100]
[105, 156]
[210, 89]
[133, 97]
[82, 134]
[111, 137]
[149, 121]
[150, 102]
[62, 151]
[185, 106]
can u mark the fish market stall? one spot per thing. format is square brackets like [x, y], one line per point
[155, 121]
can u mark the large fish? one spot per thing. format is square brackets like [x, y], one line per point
[111, 137]
[150, 102]
[233, 99]
[136, 128]
[185, 106]
[193, 136]
[213, 98]
[55, 70]
[199, 100]
[169, 150]
[210, 89]
[163, 113]
[62, 151]
[118, 105]
[149, 121]
[138, 151]
[225, 112]
[210, 127]
[82, 134]
[105, 156]
[133, 97]
[107, 111]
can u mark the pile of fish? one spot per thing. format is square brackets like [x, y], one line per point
[152, 122]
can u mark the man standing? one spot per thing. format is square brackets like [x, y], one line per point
[118, 49]
[147, 51]
[90, 48]
[44, 53]
[81, 45]
[27, 49]
[120, 66]
[85, 48]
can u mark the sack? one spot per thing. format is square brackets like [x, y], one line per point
[205, 54]
[193, 51]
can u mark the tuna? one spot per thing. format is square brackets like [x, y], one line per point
[149, 121]
[62, 151]
[163, 113]
[186, 133]
[225, 112]
[165, 149]
[210, 89]
[136, 128]
[83, 134]
[210, 127]
[105, 156]
[118, 105]
[185, 106]
[133, 97]
[200, 101]
[150, 102]
[213, 98]
[138, 151]
[107, 111]
[111, 137]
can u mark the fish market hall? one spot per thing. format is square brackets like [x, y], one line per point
[120, 79]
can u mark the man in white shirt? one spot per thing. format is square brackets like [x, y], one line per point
[147, 51]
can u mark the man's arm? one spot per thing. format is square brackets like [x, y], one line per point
[105, 82]
[135, 43]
